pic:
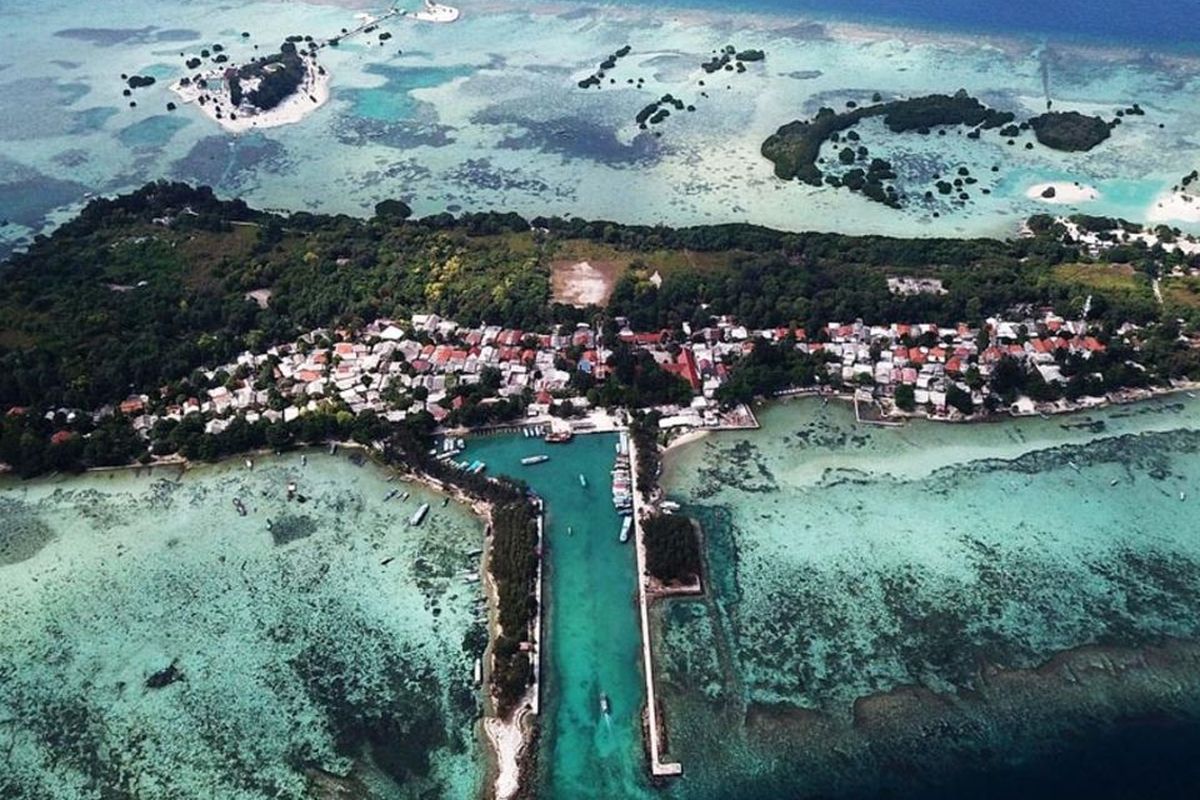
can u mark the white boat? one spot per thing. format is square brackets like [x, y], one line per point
[419, 515]
[582, 480]
[605, 707]
[626, 525]
[530, 460]
[478, 672]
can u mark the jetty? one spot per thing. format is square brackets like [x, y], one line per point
[658, 767]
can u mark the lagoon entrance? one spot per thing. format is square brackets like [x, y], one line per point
[592, 650]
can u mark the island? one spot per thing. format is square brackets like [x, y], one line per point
[1069, 131]
[795, 148]
[265, 92]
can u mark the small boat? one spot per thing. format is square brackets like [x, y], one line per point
[404, 496]
[291, 490]
[471, 577]
[240, 506]
[531, 460]
[333, 448]
[391, 494]
[478, 671]
[1073, 465]
[626, 525]
[445, 502]
[249, 464]
[419, 515]
[669, 505]
[570, 530]
[605, 706]
[303, 460]
[1182, 496]
[1113, 482]
[582, 480]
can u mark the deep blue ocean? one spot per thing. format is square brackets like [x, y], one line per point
[1170, 25]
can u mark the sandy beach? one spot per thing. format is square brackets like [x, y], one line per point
[1174, 207]
[1064, 193]
[507, 738]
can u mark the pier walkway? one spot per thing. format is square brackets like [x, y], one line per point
[658, 767]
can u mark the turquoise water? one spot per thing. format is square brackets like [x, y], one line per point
[330, 653]
[591, 630]
[939, 611]
[485, 113]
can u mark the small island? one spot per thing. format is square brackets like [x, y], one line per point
[795, 148]
[1069, 131]
[274, 90]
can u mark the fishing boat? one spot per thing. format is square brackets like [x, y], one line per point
[605, 707]
[531, 460]
[419, 515]
[626, 525]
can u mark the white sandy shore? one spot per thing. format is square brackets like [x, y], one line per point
[1174, 207]
[508, 741]
[1064, 192]
[311, 95]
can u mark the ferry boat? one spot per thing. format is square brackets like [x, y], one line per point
[626, 525]
[419, 515]
[605, 707]
[530, 460]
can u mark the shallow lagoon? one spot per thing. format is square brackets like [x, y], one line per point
[485, 113]
[335, 648]
[939, 611]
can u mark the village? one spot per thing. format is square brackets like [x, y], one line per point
[399, 368]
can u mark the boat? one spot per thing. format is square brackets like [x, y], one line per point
[304, 460]
[333, 448]
[570, 530]
[445, 502]
[530, 460]
[605, 707]
[1113, 482]
[471, 577]
[582, 480]
[478, 671]
[626, 525]
[249, 464]
[404, 496]
[419, 515]
[240, 506]
[391, 494]
[558, 437]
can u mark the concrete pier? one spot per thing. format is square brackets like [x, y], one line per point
[658, 767]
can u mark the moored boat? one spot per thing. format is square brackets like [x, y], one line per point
[419, 515]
